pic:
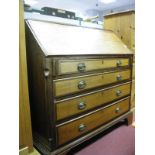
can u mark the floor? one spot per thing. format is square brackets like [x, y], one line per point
[120, 140]
[24, 151]
[35, 152]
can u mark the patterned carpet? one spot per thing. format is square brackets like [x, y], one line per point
[119, 140]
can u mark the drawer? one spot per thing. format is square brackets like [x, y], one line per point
[78, 84]
[78, 127]
[78, 66]
[77, 105]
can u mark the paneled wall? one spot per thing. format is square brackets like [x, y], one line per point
[123, 25]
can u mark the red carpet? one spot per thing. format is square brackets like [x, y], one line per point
[120, 141]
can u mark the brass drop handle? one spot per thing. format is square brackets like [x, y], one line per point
[81, 84]
[117, 110]
[81, 105]
[119, 63]
[118, 93]
[119, 77]
[82, 127]
[81, 67]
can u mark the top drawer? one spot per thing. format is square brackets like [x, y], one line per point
[79, 66]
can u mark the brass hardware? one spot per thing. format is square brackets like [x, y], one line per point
[119, 62]
[82, 127]
[117, 110]
[118, 93]
[81, 84]
[81, 67]
[46, 73]
[119, 77]
[81, 105]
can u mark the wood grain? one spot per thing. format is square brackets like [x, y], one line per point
[133, 20]
[71, 107]
[133, 70]
[133, 39]
[49, 44]
[25, 133]
[133, 94]
[68, 86]
[40, 94]
[123, 25]
[71, 66]
[57, 39]
[71, 130]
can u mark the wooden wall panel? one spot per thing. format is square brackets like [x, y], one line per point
[133, 20]
[109, 24]
[123, 25]
[133, 39]
[25, 133]
[125, 30]
[117, 25]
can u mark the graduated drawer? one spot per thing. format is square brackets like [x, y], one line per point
[78, 127]
[84, 65]
[79, 104]
[78, 84]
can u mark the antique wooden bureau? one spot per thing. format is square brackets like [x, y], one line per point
[79, 83]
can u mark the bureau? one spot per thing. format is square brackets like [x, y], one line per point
[79, 83]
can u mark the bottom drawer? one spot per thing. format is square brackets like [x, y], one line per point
[78, 127]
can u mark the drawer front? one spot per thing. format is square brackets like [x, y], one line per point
[74, 129]
[78, 84]
[78, 66]
[71, 107]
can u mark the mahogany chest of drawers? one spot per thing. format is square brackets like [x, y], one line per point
[79, 83]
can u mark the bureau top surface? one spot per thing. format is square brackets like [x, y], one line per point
[59, 39]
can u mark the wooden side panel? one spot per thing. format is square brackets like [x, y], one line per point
[72, 130]
[90, 101]
[133, 94]
[72, 66]
[38, 89]
[25, 133]
[63, 87]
